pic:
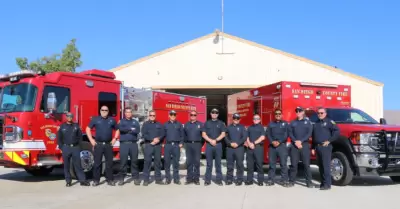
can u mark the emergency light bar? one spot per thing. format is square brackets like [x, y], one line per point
[15, 76]
[319, 85]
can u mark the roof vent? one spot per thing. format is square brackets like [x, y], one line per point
[99, 73]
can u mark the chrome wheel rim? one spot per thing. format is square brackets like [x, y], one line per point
[87, 160]
[337, 169]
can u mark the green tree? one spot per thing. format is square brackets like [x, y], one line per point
[68, 61]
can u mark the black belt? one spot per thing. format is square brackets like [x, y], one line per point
[192, 142]
[174, 142]
[103, 143]
[71, 145]
[127, 142]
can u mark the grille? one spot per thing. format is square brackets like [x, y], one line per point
[393, 141]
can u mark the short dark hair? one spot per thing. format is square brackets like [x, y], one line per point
[127, 108]
[322, 108]
[152, 111]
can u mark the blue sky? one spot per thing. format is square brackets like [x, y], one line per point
[362, 37]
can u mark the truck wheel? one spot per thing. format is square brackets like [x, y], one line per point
[395, 178]
[182, 159]
[87, 161]
[341, 171]
[40, 171]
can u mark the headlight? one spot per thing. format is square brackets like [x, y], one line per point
[365, 142]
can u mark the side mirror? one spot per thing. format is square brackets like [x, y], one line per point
[382, 121]
[51, 101]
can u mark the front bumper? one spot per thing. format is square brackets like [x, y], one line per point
[14, 159]
[374, 164]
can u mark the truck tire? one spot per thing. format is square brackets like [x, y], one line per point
[341, 171]
[182, 159]
[40, 171]
[395, 179]
[87, 161]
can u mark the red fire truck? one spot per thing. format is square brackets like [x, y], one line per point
[33, 105]
[366, 147]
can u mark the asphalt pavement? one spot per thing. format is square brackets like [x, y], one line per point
[20, 190]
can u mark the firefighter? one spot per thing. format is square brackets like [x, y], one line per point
[153, 133]
[277, 134]
[129, 129]
[173, 144]
[255, 151]
[235, 139]
[103, 144]
[69, 137]
[300, 131]
[213, 132]
[193, 145]
[324, 133]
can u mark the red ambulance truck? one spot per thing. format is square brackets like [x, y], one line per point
[365, 147]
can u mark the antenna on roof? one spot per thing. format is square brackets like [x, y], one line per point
[221, 34]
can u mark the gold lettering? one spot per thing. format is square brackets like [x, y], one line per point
[302, 91]
[335, 93]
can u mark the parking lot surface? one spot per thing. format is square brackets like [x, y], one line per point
[20, 190]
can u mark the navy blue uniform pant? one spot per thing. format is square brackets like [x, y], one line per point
[151, 151]
[324, 155]
[282, 152]
[73, 153]
[295, 155]
[235, 155]
[213, 153]
[172, 153]
[129, 149]
[193, 155]
[100, 150]
[255, 157]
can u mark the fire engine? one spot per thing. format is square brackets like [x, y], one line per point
[33, 105]
[365, 147]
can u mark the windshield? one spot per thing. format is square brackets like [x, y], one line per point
[344, 116]
[18, 98]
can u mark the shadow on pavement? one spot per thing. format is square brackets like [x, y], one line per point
[22, 176]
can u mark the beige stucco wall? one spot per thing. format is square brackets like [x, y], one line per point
[199, 64]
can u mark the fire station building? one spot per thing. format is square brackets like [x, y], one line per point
[217, 65]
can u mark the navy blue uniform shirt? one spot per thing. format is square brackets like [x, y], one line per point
[69, 134]
[214, 128]
[236, 133]
[104, 128]
[129, 130]
[300, 130]
[278, 131]
[151, 130]
[173, 131]
[255, 131]
[325, 130]
[193, 131]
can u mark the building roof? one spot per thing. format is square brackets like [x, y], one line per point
[211, 35]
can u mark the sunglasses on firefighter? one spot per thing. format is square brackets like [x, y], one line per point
[193, 115]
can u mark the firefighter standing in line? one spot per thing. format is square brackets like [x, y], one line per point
[153, 133]
[193, 145]
[277, 134]
[324, 133]
[129, 129]
[255, 151]
[172, 150]
[300, 131]
[213, 132]
[69, 137]
[103, 144]
[235, 138]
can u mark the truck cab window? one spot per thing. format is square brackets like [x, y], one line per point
[109, 100]
[63, 96]
[256, 108]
